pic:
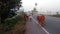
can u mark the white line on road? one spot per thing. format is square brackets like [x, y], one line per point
[40, 25]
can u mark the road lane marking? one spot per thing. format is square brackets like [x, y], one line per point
[40, 25]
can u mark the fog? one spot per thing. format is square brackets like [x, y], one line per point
[42, 5]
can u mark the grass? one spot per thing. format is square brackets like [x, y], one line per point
[17, 29]
[14, 25]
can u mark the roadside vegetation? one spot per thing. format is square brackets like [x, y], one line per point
[14, 25]
[56, 16]
[10, 22]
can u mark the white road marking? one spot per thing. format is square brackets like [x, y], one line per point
[40, 25]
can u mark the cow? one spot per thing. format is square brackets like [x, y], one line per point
[41, 19]
[26, 17]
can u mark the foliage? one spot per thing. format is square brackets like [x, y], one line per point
[6, 6]
[56, 15]
[10, 22]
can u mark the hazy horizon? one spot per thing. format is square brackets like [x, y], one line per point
[43, 5]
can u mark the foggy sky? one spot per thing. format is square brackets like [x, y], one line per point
[43, 5]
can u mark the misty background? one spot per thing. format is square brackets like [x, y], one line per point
[43, 6]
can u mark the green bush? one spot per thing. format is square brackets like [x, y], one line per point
[10, 22]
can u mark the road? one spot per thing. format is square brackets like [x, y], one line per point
[33, 28]
[52, 26]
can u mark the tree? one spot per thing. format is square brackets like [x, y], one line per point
[57, 13]
[6, 6]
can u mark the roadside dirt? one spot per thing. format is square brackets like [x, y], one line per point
[17, 29]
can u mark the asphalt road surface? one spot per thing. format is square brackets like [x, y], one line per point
[33, 28]
[52, 24]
